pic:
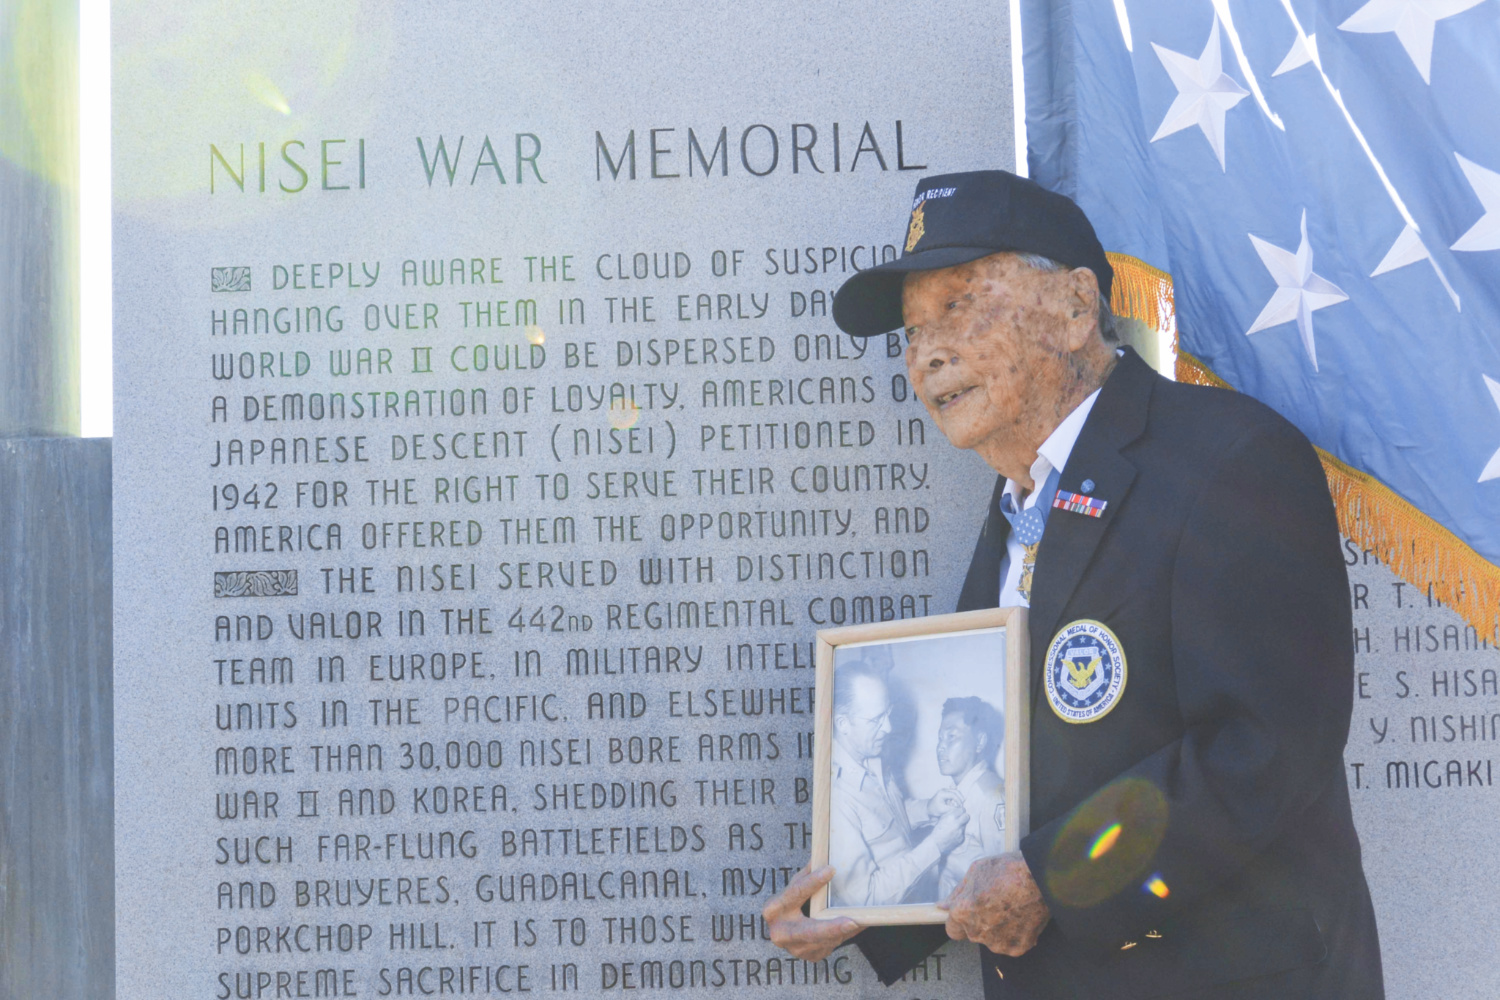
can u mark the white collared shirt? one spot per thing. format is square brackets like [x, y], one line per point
[1053, 454]
[983, 793]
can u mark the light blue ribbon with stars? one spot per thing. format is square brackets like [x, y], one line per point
[1028, 524]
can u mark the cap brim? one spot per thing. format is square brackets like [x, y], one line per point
[870, 302]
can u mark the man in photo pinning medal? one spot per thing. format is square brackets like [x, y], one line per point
[1189, 619]
[879, 855]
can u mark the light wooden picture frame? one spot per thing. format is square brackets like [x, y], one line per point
[880, 814]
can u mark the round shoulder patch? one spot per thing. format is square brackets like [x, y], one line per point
[1085, 671]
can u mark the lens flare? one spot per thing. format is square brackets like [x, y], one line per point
[1157, 887]
[535, 335]
[266, 92]
[623, 415]
[1109, 844]
[1104, 841]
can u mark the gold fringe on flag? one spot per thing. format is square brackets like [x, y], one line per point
[1194, 372]
[1408, 542]
[1142, 292]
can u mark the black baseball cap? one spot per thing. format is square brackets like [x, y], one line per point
[956, 218]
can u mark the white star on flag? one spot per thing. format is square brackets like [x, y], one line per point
[1299, 292]
[1204, 92]
[1413, 21]
[1492, 467]
[1484, 234]
[1408, 249]
[1300, 54]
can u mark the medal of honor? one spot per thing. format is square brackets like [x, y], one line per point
[1028, 563]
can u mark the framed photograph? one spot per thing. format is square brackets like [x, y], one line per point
[920, 763]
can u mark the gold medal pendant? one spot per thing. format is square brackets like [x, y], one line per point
[1028, 563]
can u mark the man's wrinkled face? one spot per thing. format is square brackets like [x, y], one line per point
[864, 729]
[958, 745]
[985, 347]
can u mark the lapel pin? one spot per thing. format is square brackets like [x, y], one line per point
[1087, 487]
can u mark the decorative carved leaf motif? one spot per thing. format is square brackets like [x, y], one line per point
[256, 583]
[231, 279]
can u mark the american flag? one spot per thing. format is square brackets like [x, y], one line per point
[1321, 179]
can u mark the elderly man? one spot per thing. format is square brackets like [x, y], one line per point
[1190, 636]
[968, 735]
[877, 859]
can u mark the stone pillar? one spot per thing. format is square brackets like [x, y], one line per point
[39, 218]
[57, 868]
[56, 688]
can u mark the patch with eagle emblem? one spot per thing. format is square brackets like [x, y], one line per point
[1085, 671]
[917, 228]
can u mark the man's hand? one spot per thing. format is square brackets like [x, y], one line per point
[806, 938]
[948, 831]
[944, 801]
[998, 905]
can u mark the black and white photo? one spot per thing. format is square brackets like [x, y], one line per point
[914, 790]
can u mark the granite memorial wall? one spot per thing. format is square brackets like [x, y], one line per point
[1421, 768]
[486, 461]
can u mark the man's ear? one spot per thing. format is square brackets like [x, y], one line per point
[1083, 307]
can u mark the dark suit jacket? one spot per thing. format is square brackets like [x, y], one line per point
[1216, 562]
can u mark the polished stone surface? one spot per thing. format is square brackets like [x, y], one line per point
[56, 740]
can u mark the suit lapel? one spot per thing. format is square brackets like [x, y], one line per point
[1118, 418]
[982, 586]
